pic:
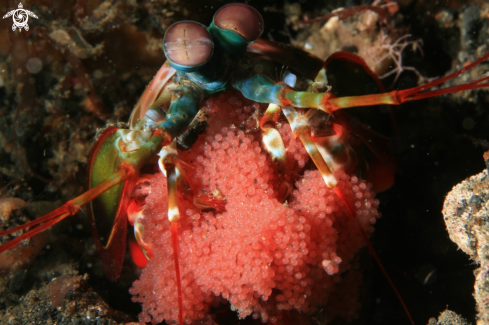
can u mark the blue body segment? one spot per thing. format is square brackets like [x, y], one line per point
[214, 76]
[184, 107]
[259, 88]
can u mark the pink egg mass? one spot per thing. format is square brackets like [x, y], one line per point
[237, 242]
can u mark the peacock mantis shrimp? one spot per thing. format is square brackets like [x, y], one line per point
[203, 62]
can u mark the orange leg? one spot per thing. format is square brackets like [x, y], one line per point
[301, 130]
[68, 209]
[126, 172]
[167, 164]
[397, 97]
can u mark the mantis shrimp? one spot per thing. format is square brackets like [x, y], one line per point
[205, 61]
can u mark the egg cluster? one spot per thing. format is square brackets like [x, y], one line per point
[261, 255]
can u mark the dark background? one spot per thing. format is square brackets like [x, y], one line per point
[435, 150]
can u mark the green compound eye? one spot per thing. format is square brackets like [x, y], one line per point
[187, 45]
[235, 26]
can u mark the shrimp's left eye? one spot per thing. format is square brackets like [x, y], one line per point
[187, 45]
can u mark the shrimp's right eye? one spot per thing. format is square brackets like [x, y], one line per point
[187, 45]
[241, 19]
[236, 25]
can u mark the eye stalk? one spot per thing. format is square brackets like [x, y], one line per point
[236, 25]
[187, 45]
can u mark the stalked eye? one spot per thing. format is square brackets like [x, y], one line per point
[187, 45]
[240, 18]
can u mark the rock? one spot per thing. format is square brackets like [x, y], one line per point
[466, 214]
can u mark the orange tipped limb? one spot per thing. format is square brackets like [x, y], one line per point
[173, 217]
[30, 233]
[68, 209]
[397, 97]
[126, 170]
[168, 164]
[327, 102]
[301, 129]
